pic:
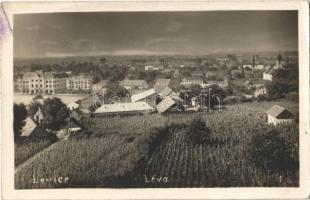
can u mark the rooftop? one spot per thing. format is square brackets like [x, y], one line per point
[142, 95]
[123, 107]
[165, 105]
[279, 112]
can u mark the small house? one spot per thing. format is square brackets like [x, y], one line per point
[29, 127]
[268, 73]
[73, 106]
[97, 87]
[164, 105]
[197, 73]
[161, 84]
[189, 81]
[260, 89]
[124, 109]
[134, 84]
[277, 114]
[32, 130]
[146, 96]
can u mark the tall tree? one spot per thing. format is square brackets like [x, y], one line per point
[20, 114]
[55, 113]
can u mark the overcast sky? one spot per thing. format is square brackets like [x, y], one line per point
[65, 34]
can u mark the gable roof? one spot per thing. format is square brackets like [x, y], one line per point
[29, 127]
[165, 92]
[142, 95]
[192, 78]
[164, 105]
[161, 84]
[73, 106]
[133, 83]
[123, 107]
[279, 112]
[197, 73]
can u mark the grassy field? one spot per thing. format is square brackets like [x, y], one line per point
[25, 149]
[129, 151]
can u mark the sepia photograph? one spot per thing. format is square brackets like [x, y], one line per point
[157, 100]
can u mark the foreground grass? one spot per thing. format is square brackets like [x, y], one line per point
[27, 147]
[129, 151]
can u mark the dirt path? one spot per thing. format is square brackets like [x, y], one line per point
[35, 156]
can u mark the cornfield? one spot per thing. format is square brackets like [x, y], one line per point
[118, 153]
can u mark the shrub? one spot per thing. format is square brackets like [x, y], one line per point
[292, 96]
[261, 97]
[269, 151]
[237, 74]
[198, 132]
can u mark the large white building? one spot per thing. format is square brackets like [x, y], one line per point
[39, 82]
[32, 82]
[79, 82]
[55, 83]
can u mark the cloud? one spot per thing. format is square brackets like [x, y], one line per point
[56, 26]
[173, 26]
[49, 42]
[53, 54]
[33, 28]
[133, 52]
[103, 52]
[162, 40]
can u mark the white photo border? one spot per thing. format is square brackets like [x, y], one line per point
[7, 165]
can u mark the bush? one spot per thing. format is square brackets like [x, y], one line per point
[292, 96]
[237, 74]
[261, 97]
[198, 132]
[269, 151]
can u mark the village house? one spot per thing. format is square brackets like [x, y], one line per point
[165, 105]
[248, 84]
[32, 130]
[29, 127]
[72, 106]
[197, 73]
[221, 84]
[168, 92]
[268, 73]
[139, 107]
[277, 115]
[146, 96]
[134, 84]
[256, 66]
[97, 87]
[189, 81]
[176, 73]
[212, 75]
[260, 89]
[161, 84]
[152, 68]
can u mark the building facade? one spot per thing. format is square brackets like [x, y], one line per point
[32, 82]
[189, 81]
[79, 82]
[55, 83]
[39, 82]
